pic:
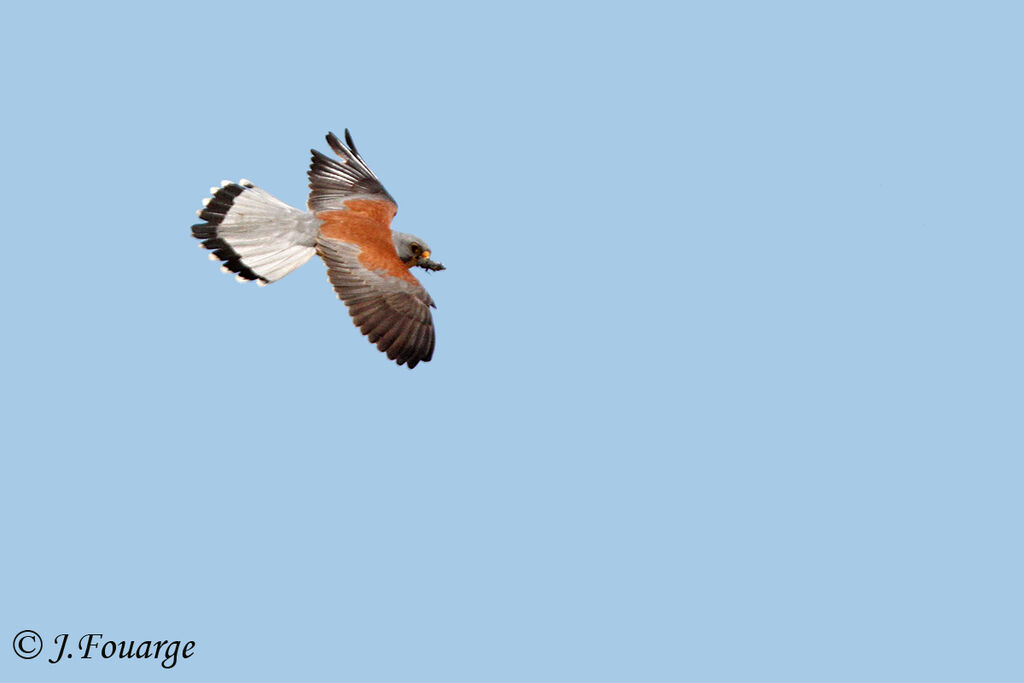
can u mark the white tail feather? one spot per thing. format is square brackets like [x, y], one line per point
[258, 236]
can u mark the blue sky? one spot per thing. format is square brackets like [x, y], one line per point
[728, 376]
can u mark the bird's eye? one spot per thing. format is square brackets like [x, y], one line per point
[415, 248]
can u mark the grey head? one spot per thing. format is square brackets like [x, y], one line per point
[413, 251]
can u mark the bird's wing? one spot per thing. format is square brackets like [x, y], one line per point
[332, 182]
[385, 301]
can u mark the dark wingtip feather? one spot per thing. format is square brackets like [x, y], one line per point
[335, 144]
[351, 145]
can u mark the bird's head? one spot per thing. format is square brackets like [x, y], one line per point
[414, 252]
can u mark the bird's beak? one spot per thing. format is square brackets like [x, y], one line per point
[425, 254]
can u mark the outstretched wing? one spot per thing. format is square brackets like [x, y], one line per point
[385, 301]
[389, 306]
[332, 182]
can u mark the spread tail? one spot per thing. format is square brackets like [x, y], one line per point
[256, 235]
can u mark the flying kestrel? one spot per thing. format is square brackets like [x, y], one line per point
[348, 224]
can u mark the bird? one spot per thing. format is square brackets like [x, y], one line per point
[348, 225]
